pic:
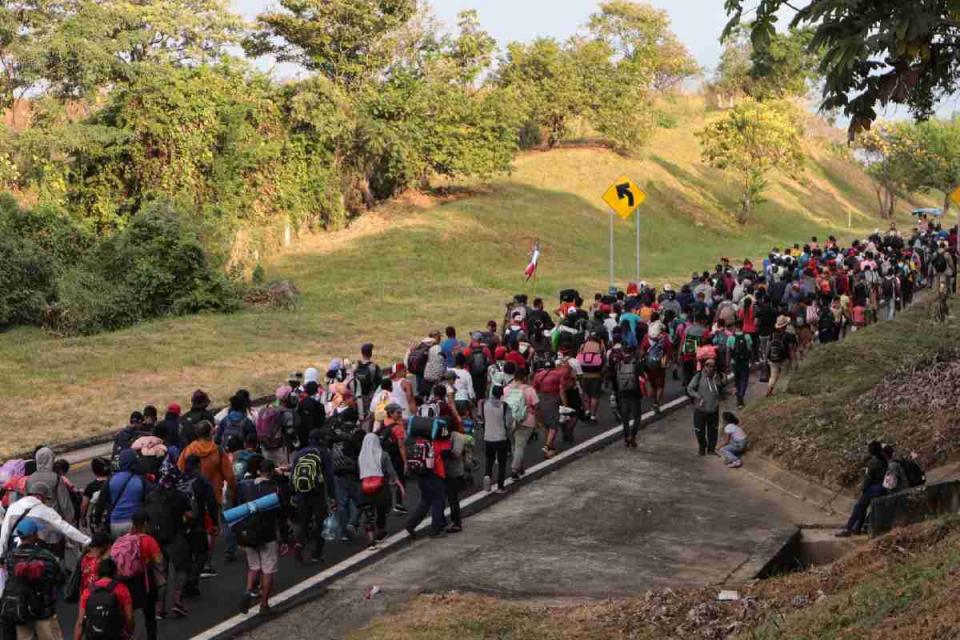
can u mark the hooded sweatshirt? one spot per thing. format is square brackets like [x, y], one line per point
[235, 424]
[127, 489]
[61, 503]
[215, 466]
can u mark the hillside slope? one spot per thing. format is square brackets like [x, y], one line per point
[418, 264]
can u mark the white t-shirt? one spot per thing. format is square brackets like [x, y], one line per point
[463, 386]
[734, 430]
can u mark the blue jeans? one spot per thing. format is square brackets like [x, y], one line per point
[349, 499]
[859, 513]
[433, 495]
[733, 451]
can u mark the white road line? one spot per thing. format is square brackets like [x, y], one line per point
[397, 538]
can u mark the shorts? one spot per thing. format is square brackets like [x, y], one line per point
[263, 558]
[593, 387]
[550, 409]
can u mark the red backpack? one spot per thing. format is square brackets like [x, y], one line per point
[126, 553]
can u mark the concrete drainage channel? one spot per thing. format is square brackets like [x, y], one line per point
[788, 550]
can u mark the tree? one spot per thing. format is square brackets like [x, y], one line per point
[783, 69]
[939, 141]
[893, 159]
[751, 140]
[472, 51]
[871, 52]
[347, 41]
[639, 33]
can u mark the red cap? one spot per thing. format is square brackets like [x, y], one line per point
[173, 407]
[500, 353]
[632, 289]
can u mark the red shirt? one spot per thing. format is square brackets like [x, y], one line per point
[749, 319]
[551, 381]
[121, 591]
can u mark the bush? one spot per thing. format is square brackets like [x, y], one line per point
[27, 282]
[530, 136]
[155, 267]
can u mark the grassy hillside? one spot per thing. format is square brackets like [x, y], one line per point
[902, 585]
[894, 382]
[418, 264]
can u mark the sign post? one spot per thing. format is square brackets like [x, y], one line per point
[623, 197]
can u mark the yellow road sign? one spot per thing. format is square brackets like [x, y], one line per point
[624, 196]
[955, 196]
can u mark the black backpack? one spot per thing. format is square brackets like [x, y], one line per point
[939, 263]
[103, 619]
[741, 352]
[164, 519]
[778, 349]
[478, 362]
[913, 471]
[888, 288]
[367, 375]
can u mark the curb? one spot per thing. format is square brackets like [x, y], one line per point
[317, 585]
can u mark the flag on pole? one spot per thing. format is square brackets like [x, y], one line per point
[531, 269]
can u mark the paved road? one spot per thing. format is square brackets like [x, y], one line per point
[220, 595]
[616, 523]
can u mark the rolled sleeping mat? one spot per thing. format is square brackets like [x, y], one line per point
[429, 428]
[266, 503]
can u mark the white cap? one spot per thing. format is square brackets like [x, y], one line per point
[311, 374]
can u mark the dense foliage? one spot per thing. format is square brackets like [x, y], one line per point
[871, 52]
[124, 119]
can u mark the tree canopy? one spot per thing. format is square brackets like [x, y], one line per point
[872, 52]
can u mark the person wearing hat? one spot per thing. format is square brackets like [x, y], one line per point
[705, 393]
[779, 351]
[42, 590]
[393, 434]
[36, 505]
[171, 423]
[199, 412]
[313, 504]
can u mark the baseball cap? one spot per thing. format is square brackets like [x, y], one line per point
[28, 527]
[173, 407]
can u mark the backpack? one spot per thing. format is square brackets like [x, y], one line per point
[859, 316]
[103, 619]
[690, 341]
[741, 351]
[628, 335]
[343, 463]
[240, 460]
[228, 429]
[428, 410]
[290, 419]
[163, 519]
[628, 378]
[777, 351]
[366, 375]
[913, 471]
[417, 360]
[517, 401]
[253, 530]
[307, 474]
[826, 321]
[655, 353]
[420, 456]
[23, 599]
[591, 361]
[270, 427]
[939, 263]
[813, 315]
[888, 289]
[478, 362]
[126, 553]
[187, 487]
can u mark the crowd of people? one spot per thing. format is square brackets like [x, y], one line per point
[333, 453]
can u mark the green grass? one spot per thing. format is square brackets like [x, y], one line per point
[406, 269]
[818, 427]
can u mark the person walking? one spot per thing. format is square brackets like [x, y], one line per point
[522, 400]
[140, 567]
[497, 424]
[106, 606]
[629, 396]
[34, 577]
[376, 477]
[314, 490]
[258, 533]
[740, 348]
[706, 402]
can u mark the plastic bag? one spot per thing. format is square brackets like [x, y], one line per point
[331, 528]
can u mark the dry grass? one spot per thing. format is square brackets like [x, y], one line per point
[903, 585]
[420, 263]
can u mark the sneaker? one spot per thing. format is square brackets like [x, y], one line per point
[316, 558]
[440, 533]
[208, 572]
[515, 475]
[245, 601]
[455, 528]
[400, 508]
[736, 464]
[486, 483]
[500, 491]
[412, 533]
[843, 534]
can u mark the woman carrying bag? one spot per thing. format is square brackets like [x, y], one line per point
[376, 476]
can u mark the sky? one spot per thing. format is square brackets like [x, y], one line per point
[697, 23]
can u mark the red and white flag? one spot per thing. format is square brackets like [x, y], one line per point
[531, 269]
